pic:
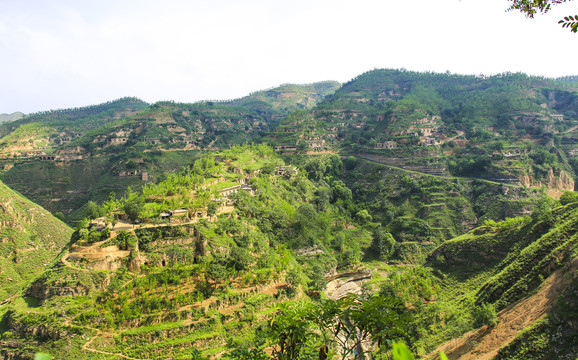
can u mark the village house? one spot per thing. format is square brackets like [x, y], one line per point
[285, 148]
[98, 224]
[69, 157]
[226, 192]
[428, 131]
[123, 132]
[558, 117]
[316, 144]
[176, 216]
[513, 153]
[430, 141]
[312, 138]
[287, 171]
[386, 145]
[143, 174]
[98, 139]
[122, 140]
[31, 152]
[70, 150]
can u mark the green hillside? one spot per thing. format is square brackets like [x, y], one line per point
[217, 266]
[84, 154]
[30, 239]
[433, 209]
[509, 128]
[500, 264]
[439, 207]
[238, 242]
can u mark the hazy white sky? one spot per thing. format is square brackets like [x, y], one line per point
[66, 53]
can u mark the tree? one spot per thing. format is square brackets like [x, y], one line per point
[363, 217]
[532, 7]
[241, 258]
[354, 320]
[317, 277]
[334, 165]
[290, 329]
[383, 243]
[305, 217]
[59, 215]
[93, 211]
[350, 163]
[340, 191]
[212, 208]
[315, 168]
[133, 204]
[323, 197]
[216, 272]
[303, 329]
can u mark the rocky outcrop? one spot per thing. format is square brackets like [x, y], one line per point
[25, 328]
[562, 181]
[341, 284]
[41, 291]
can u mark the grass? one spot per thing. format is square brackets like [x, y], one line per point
[35, 237]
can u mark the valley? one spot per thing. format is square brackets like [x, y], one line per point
[298, 222]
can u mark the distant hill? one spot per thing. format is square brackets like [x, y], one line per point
[42, 132]
[496, 127]
[288, 97]
[30, 237]
[89, 152]
[390, 105]
[10, 117]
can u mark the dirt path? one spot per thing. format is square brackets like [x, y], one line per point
[460, 133]
[571, 129]
[86, 346]
[484, 343]
[68, 264]
[94, 251]
[212, 142]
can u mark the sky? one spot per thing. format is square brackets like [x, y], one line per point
[68, 53]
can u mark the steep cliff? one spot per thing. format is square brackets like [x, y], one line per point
[556, 183]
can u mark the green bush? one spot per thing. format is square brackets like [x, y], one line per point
[568, 197]
[485, 314]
